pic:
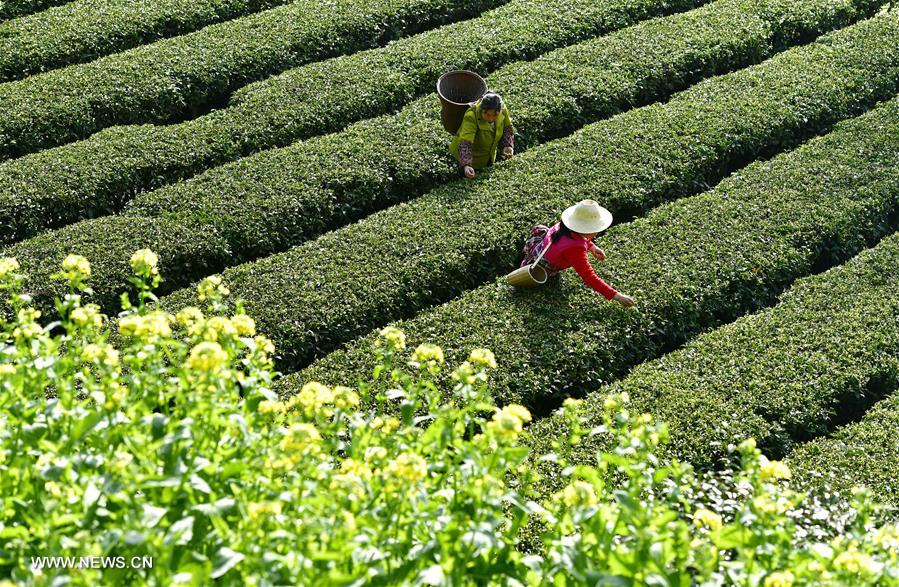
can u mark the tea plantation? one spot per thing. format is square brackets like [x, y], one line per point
[283, 162]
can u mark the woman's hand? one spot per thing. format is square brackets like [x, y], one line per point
[469, 172]
[626, 301]
[508, 152]
[598, 253]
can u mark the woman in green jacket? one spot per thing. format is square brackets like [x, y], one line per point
[485, 126]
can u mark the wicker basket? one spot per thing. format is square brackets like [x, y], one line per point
[457, 91]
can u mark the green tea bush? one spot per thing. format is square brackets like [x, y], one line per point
[863, 452]
[14, 8]
[97, 176]
[397, 262]
[179, 77]
[783, 376]
[303, 193]
[171, 447]
[691, 265]
[198, 249]
[87, 29]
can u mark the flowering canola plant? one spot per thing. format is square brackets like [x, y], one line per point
[158, 436]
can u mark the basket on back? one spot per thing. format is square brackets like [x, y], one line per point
[457, 90]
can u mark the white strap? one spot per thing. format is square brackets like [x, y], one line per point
[543, 252]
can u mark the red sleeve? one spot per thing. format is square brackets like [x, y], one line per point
[578, 260]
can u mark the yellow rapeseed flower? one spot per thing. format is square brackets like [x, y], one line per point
[482, 357]
[77, 264]
[271, 407]
[765, 504]
[256, 510]
[149, 326]
[244, 325]
[116, 395]
[747, 445]
[100, 353]
[508, 422]
[8, 266]
[210, 287]
[856, 562]
[352, 484]
[312, 396]
[344, 397]
[408, 467]
[780, 579]
[28, 315]
[53, 488]
[301, 437]
[218, 327]
[356, 468]
[773, 469]
[704, 518]
[614, 400]
[207, 356]
[394, 336]
[264, 345]
[391, 424]
[375, 454]
[519, 412]
[189, 316]
[886, 537]
[579, 494]
[88, 315]
[427, 352]
[571, 403]
[27, 331]
[145, 262]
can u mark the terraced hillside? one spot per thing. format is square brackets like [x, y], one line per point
[747, 148]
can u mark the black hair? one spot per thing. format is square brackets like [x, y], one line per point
[563, 231]
[491, 101]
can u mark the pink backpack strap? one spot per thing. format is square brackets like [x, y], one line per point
[549, 234]
[540, 230]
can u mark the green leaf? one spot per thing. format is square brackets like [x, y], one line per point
[732, 536]
[225, 559]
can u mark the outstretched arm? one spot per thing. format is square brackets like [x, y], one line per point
[578, 260]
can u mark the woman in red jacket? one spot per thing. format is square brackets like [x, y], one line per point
[567, 243]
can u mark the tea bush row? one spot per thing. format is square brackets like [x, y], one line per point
[782, 376]
[87, 29]
[22, 7]
[180, 77]
[862, 453]
[691, 265]
[302, 192]
[97, 176]
[395, 263]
